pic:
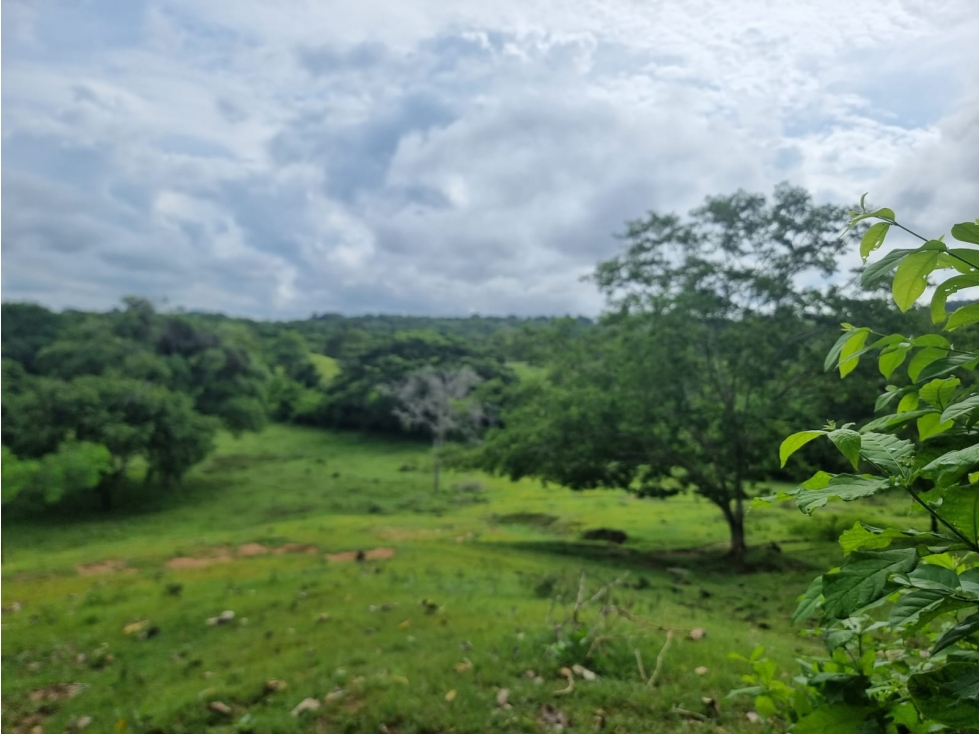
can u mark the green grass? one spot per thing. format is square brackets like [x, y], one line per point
[328, 367]
[499, 564]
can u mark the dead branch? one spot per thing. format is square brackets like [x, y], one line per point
[659, 659]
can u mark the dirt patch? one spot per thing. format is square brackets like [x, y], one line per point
[110, 565]
[247, 550]
[185, 562]
[391, 533]
[375, 554]
[57, 692]
[295, 548]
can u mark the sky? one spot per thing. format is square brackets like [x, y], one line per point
[276, 159]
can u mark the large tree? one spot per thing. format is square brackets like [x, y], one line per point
[689, 377]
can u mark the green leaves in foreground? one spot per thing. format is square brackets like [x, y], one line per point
[847, 487]
[863, 579]
[949, 695]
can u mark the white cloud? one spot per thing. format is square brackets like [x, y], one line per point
[276, 159]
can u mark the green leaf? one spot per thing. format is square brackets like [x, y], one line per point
[889, 453]
[795, 442]
[889, 422]
[809, 601]
[930, 425]
[846, 487]
[966, 232]
[877, 271]
[948, 467]
[873, 238]
[848, 442]
[948, 695]
[859, 537]
[923, 358]
[965, 316]
[908, 403]
[948, 364]
[862, 580]
[944, 290]
[966, 628]
[888, 397]
[882, 213]
[891, 358]
[833, 719]
[939, 392]
[962, 408]
[912, 274]
[930, 340]
[966, 254]
[960, 508]
[849, 356]
[834, 353]
[765, 706]
[917, 607]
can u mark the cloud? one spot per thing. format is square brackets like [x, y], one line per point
[444, 158]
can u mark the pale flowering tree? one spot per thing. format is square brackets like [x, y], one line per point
[440, 402]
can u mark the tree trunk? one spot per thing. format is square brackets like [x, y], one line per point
[436, 462]
[735, 523]
[105, 494]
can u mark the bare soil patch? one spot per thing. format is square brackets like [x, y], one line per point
[109, 565]
[374, 554]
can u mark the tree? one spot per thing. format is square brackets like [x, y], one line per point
[77, 466]
[354, 400]
[128, 418]
[437, 402]
[683, 384]
[925, 444]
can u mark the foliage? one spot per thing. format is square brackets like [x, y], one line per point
[126, 418]
[354, 398]
[699, 365]
[915, 665]
[77, 466]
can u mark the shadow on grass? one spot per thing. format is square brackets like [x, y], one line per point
[712, 559]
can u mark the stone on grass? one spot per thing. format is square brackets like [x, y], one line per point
[307, 704]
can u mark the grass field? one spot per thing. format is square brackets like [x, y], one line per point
[460, 596]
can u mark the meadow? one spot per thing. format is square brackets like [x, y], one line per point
[363, 602]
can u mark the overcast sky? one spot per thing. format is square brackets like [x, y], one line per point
[273, 159]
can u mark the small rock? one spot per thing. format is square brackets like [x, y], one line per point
[582, 671]
[553, 717]
[82, 721]
[697, 633]
[335, 695]
[307, 704]
[501, 698]
[529, 673]
[274, 684]
[700, 670]
[324, 617]
[223, 618]
[753, 717]
[219, 707]
[451, 695]
[34, 666]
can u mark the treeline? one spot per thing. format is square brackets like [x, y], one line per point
[90, 399]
